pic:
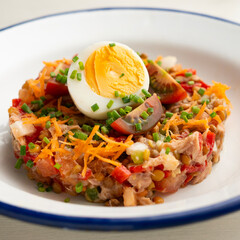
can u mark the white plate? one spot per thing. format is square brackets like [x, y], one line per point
[209, 44]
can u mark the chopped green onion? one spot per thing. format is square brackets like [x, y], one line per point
[122, 95]
[73, 74]
[184, 116]
[59, 77]
[181, 108]
[95, 107]
[19, 163]
[128, 109]
[51, 109]
[140, 100]
[79, 76]
[116, 93]
[144, 115]
[41, 189]
[122, 112]
[29, 164]
[150, 110]
[80, 135]
[112, 44]
[86, 128]
[49, 189]
[138, 126]
[150, 61]
[79, 187]
[201, 91]
[188, 74]
[213, 114]
[195, 109]
[146, 93]
[64, 80]
[23, 150]
[70, 122]
[156, 137]
[126, 99]
[131, 96]
[39, 102]
[190, 115]
[48, 124]
[104, 130]
[75, 58]
[115, 114]
[40, 184]
[31, 145]
[52, 115]
[164, 121]
[110, 103]
[62, 71]
[26, 108]
[167, 150]
[43, 98]
[58, 114]
[178, 81]
[190, 82]
[81, 66]
[159, 63]
[66, 71]
[137, 157]
[138, 54]
[66, 117]
[57, 165]
[92, 193]
[46, 140]
[167, 139]
[52, 74]
[109, 114]
[169, 114]
[205, 100]
[96, 137]
[121, 75]
[66, 200]
[109, 121]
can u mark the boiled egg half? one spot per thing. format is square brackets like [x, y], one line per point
[102, 74]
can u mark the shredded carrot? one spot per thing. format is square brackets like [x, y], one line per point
[200, 113]
[41, 120]
[57, 128]
[59, 104]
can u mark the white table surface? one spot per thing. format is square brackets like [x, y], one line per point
[225, 227]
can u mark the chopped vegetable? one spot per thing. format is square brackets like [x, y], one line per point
[57, 165]
[22, 150]
[110, 103]
[75, 59]
[112, 44]
[79, 187]
[26, 108]
[121, 173]
[19, 163]
[95, 107]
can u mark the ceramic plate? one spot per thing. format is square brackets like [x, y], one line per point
[208, 44]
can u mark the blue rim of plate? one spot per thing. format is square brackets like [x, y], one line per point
[136, 223]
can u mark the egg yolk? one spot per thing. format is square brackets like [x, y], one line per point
[110, 69]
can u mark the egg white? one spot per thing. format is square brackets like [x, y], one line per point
[84, 97]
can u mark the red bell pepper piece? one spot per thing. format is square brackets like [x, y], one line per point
[34, 137]
[87, 175]
[121, 173]
[16, 102]
[210, 141]
[189, 88]
[56, 89]
[137, 169]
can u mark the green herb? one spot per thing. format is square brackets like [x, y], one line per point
[138, 126]
[116, 93]
[184, 116]
[190, 82]
[38, 102]
[181, 108]
[86, 128]
[169, 114]
[43, 98]
[110, 103]
[213, 114]
[70, 122]
[95, 107]
[146, 93]
[205, 100]
[109, 121]
[19, 163]
[167, 150]
[164, 121]
[128, 109]
[66, 200]
[156, 137]
[31, 145]
[122, 112]
[79, 76]
[195, 109]
[121, 75]
[66, 71]
[167, 139]
[64, 80]
[109, 114]
[188, 74]
[59, 77]
[81, 66]
[150, 110]
[140, 100]
[79, 187]
[144, 115]
[126, 99]
[58, 113]
[112, 44]
[190, 115]
[52, 74]
[26, 108]
[159, 63]
[57, 165]
[41, 189]
[52, 115]
[150, 61]
[104, 130]
[201, 91]
[92, 193]
[73, 74]
[29, 164]
[80, 135]
[46, 140]
[75, 58]
[178, 81]
[115, 114]
[23, 150]
[62, 71]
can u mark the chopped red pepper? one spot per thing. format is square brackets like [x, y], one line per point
[121, 173]
[137, 169]
[120, 139]
[34, 137]
[210, 141]
[87, 175]
[189, 88]
[16, 102]
[56, 89]
[193, 168]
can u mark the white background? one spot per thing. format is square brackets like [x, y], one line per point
[227, 227]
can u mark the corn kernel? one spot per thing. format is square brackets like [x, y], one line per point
[222, 114]
[99, 176]
[151, 186]
[77, 169]
[143, 193]
[36, 149]
[185, 159]
[158, 200]
[57, 188]
[158, 175]
[146, 155]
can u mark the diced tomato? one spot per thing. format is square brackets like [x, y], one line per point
[121, 173]
[167, 173]
[190, 70]
[189, 88]
[16, 102]
[120, 139]
[34, 137]
[137, 169]
[56, 89]
[87, 175]
[210, 140]
[46, 167]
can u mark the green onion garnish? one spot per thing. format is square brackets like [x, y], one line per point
[126, 99]
[178, 81]
[39, 102]
[92, 193]
[81, 66]
[80, 135]
[23, 150]
[122, 112]
[213, 114]
[70, 122]
[190, 82]
[159, 63]
[57, 165]
[121, 75]
[52, 115]
[104, 130]
[195, 109]
[188, 74]
[116, 93]
[146, 93]
[181, 108]
[156, 137]
[150, 110]
[79, 76]
[86, 128]
[19, 163]
[75, 58]
[167, 139]
[150, 61]
[190, 115]
[128, 109]
[205, 100]
[48, 124]
[64, 80]
[144, 115]
[40, 184]
[43, 98]
[66, 71]
[169, 114]
[112, 44]
[49, 189]
[31, 145]
[26, 108]
[41, 189]
[167, 150]
[79, 187]
[184, 116]
[201, 91]
[138, 126]
[164, 121]
[66, 200]
[46, 140]
[59, 77]
[109, 121]
[62, 71]
[109, 114]
[58, 113]
[95, 107]
[140, 100]
[29, 164]
[115, 114]
[73, 74]
[110, 103]
[52, 74]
